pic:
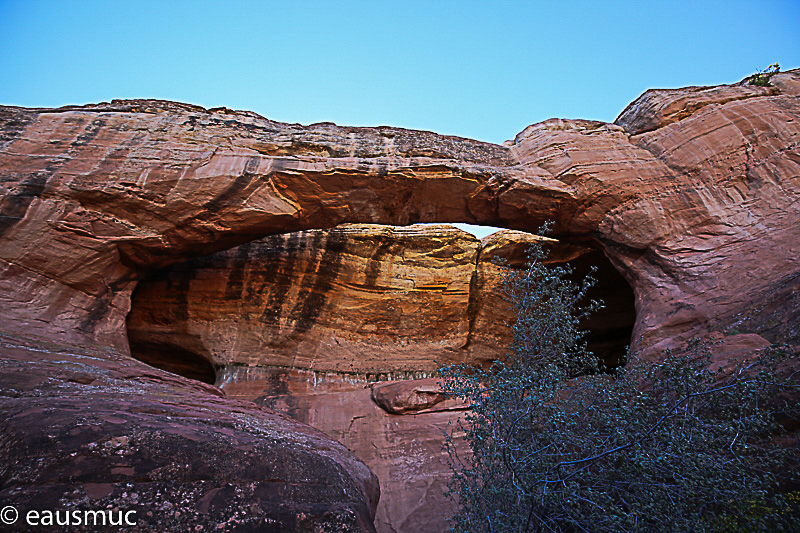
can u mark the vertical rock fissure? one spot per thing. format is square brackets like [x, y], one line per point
[473, 301]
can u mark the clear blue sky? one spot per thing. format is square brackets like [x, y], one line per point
[483, 70]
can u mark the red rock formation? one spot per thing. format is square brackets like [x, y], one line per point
[94, 195]
[360, 299]
[720, 251]
[365, 301]
[692, 195]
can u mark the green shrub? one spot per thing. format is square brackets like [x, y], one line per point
[560, 443]
[761, 78]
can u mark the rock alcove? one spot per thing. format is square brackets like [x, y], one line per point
[321, 301]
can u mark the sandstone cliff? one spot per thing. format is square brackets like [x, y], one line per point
[691, 195]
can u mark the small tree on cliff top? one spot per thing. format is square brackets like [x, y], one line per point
[559, 443]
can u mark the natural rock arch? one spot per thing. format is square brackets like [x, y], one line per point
[686, 178]
[692, 194]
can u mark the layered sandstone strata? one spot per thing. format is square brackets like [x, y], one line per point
[358, 299]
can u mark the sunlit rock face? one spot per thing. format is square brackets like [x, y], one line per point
[366, 301]
[358, 299]
[692, 195]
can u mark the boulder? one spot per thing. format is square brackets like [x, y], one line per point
[90, 429]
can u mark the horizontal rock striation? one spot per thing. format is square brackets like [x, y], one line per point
[357, 299]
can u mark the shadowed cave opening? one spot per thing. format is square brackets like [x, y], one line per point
[173, 358]
[609, 329]
[164, 305]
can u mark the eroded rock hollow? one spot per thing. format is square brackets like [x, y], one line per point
[358, 302]
[691, 195]
[344, 329]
